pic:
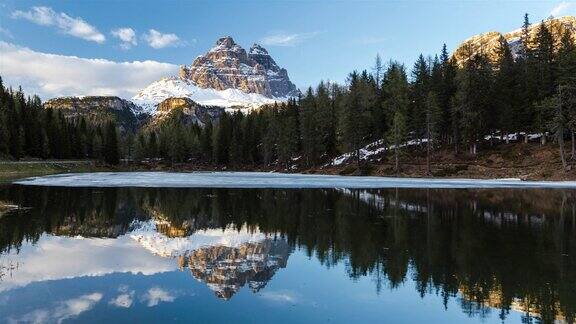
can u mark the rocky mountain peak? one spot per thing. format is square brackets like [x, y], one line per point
[256, 49]
[226, 41]
[228, 66]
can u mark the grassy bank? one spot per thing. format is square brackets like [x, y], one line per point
[10, 170]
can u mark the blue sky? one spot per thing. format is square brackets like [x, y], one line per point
[313, 40]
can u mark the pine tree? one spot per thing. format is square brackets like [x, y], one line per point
[236, 145]
[473, 101]
[287, 136]
[309, 131]
[420, 88]
[111, 149]
[222, 140]
[433, 121]
[446, 94]
[397, 135]
[505, 90]
[559, 121]
[353, 118]
[153, 150]
[326, 119]
[566, 71]
[544, 56]
[206, 141]
[4, 140]
[271, 135]
[396, 103]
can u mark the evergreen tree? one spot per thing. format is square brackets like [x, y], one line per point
[433, 121]
[153, 151]
[567, 78]
[326, 120]
[311, 137]
[446, 94]
[236, 144]
[222, 140]
[206, 141]
[473, 101]
[111, 149]
[505, 91]
[420, 88]
[396, 103]
[353, 118]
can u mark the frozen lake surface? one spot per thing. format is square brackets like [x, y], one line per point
[270, 180]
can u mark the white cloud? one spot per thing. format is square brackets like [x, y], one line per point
[156, 295]
[76, 27]
[6, 32]
[561, 8]
[127, 36]
[123, 300]
[279, 296]
[59, 257]
[284, 39]
[158, 40]
[51, 75]
[62, 310]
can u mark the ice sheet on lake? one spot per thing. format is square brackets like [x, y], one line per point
[270, 180]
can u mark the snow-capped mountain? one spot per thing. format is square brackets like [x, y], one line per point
[225, 259]
[175, 87]
[226, 76]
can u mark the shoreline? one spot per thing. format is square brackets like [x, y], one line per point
[527, 162]
[272, 180]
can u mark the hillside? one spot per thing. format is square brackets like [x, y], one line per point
[488, 43]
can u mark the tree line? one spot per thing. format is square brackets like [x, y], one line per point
[439, 104]
[28, 130]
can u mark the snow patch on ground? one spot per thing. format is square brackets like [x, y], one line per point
[372, 149]
[270, 180]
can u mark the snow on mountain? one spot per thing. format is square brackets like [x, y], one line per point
[147, 235]
[227, 76]
[151, 96]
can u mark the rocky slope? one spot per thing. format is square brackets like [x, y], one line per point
[228, 66]
[488, 43]
[189, 110]
[99, 110]
[227, 269]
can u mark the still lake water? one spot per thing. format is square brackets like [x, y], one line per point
[95, 255]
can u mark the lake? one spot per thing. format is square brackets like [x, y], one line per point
[92, 250]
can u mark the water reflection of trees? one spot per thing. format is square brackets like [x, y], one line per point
[504, 249]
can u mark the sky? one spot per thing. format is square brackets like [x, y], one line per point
[105, 47]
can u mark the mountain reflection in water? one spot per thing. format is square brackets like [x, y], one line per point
[490, 250]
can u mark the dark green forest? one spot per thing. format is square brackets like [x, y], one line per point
[439, 103]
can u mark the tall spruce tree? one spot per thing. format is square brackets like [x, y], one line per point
[396, 104]
[505, 91]
[353, 121]
[111, 149]
[432, 122]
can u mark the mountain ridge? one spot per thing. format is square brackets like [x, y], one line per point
[488, 42]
